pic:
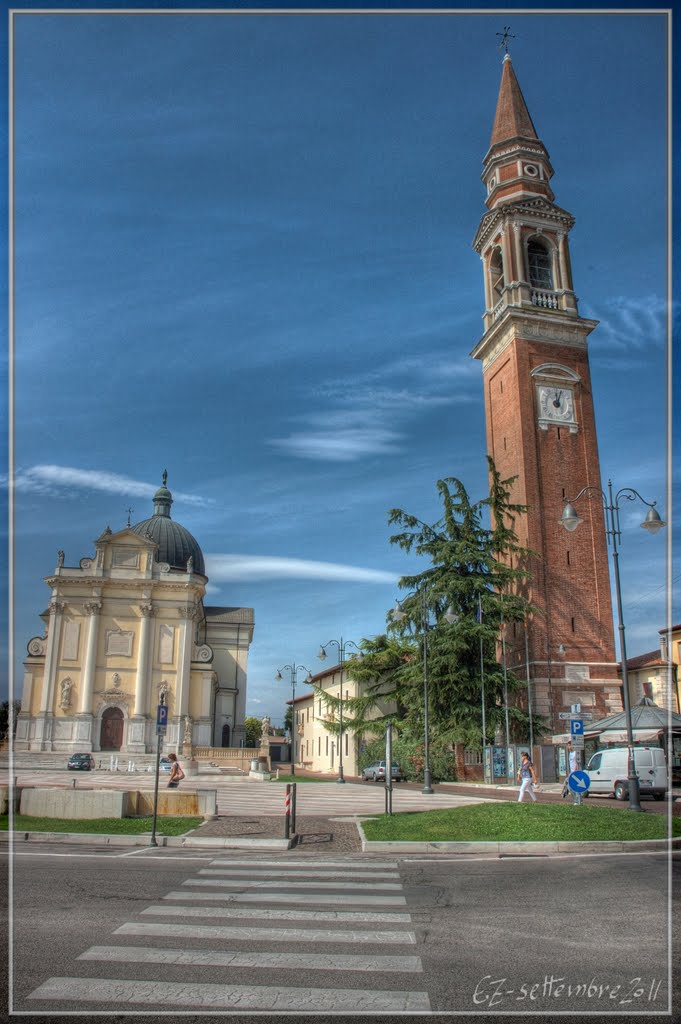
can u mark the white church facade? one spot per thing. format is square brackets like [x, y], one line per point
[125, 626]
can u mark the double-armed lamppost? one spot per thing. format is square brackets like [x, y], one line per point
[294, 670]
[341, 645]
[653, 524]
[398, 614]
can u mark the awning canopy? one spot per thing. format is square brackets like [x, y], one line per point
[620, 735]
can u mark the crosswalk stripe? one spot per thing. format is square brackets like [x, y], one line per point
[216, 867]
[238, 958]
[198, 931]
[282, 897]
[279, 915]
[241, 997]
[256, 883]
[301, 861]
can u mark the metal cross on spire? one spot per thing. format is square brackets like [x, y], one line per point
[505, 36]
[130, 512]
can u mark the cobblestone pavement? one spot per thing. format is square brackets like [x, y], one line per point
[318, 834]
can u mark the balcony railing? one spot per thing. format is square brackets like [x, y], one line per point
[546, 299]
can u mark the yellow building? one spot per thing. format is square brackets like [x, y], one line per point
[314, 747]
[125, 626]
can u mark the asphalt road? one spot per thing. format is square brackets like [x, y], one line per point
[163, 930]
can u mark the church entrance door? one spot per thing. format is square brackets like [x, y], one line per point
[225, 735]
[111, 736]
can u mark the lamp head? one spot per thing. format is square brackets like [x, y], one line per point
[278, 678]
[652, 522]
[308, 677]
[569, 519]
[322, 654]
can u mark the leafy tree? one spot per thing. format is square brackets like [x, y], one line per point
[475, 576]
[288, 718]
[253, 728]
[8, 711]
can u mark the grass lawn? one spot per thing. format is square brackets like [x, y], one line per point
[299, 778]
[524, 822]
[169, 826]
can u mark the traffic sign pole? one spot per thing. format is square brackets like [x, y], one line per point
[161, 726]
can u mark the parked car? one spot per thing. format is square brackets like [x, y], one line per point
[165, 765]
[81, 762]
[609, 772]
[377, 772]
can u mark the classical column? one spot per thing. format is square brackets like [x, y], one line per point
[92, 610]
[506, 257]
[519, 262]
[184, 657]
[488, 286]
[564, 282]
[52, 655]
[147, 612]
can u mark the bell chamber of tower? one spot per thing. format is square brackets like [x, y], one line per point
[540, 423]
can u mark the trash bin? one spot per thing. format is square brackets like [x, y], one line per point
[254, 764]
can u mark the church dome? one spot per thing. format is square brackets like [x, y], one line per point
[175, 544]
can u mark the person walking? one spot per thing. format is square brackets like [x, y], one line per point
[526, 777]
[176, 773]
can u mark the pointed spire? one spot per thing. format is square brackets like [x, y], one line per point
[512, 118]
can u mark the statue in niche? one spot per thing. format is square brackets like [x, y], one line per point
[190, 564]
[163, 691]
[116, 681]
[187, 738]
[65, 694]
[60, 558]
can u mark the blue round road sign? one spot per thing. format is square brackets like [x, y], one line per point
[578, 781]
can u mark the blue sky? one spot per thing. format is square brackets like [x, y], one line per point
[243, 253]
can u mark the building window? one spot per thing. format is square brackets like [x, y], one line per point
[539, 264]
[308, 715]
[319, 746]
[346, 743]
[327, 746]
[496, 270]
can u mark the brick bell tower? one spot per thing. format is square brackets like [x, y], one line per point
[539, 411]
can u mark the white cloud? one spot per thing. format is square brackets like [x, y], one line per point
[626, 322]
[224, 568]
[50, 479]
[340, 445]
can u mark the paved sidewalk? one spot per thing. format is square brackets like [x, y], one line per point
[325, 835]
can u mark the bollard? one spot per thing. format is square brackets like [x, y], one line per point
[294, 790]
[287, 812]
[74, 783]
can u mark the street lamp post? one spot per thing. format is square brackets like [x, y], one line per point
[294, 670]
[653, 524]
[398, 615]
[341, 645]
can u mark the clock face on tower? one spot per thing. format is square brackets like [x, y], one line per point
[556, 405]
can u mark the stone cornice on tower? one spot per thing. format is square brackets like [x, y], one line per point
[535, 212]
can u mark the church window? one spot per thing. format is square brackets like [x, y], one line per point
[572, 623]
[496, 269]
[568, 557]
[539, 264]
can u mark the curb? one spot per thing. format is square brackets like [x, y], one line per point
[517, 849]
[143, 839]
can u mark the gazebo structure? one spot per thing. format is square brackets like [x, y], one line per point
[650, 724]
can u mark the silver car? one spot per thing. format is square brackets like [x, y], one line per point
[377, 772]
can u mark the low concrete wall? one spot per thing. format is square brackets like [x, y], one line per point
[73, 803]
[201, 803]
[109, 803]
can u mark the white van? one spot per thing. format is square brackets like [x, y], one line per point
[609, 772]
